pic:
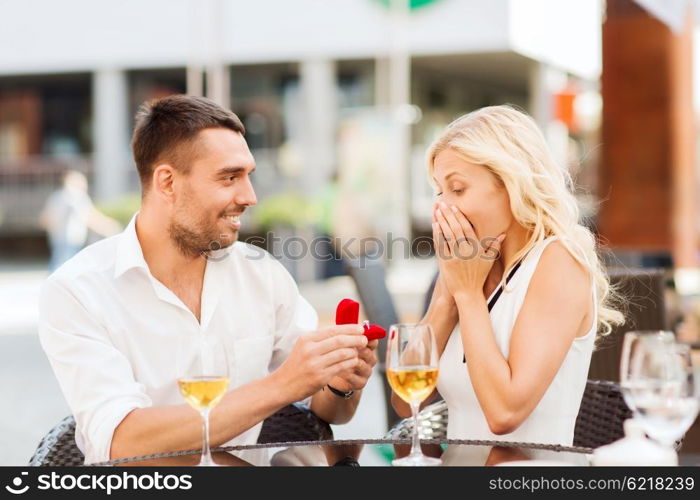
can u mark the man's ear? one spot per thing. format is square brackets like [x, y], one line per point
[164, 181]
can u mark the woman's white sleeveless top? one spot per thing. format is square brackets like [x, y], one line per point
[553, 419]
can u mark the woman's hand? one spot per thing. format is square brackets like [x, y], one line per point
[442, 299]
[464, 261]
[441, 293]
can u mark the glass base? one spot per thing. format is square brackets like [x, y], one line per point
[418, 460]
[207, 462]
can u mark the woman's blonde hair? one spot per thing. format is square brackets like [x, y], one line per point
[511, 146]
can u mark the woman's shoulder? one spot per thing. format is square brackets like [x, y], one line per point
[558, 269]
[559, 289]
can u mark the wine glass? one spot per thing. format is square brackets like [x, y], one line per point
[664, 391]
[203, 378]
[412, 371]
[630, 344]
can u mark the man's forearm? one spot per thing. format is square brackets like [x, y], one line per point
[173, 428]
[333, 408]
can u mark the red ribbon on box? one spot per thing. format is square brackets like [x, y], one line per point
[348, 313]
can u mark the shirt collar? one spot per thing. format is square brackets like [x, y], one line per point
[129, 252]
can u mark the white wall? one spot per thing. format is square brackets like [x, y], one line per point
[360, 28]
[43, 36]
[565, 34]
[67, 35]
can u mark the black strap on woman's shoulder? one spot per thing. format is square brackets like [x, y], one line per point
[498, 293]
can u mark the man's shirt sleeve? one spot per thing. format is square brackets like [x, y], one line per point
[294, 316]
[96, 378]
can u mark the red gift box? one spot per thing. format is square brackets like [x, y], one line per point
[348, 312]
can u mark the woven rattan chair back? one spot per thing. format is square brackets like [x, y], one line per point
[432, 424]
[291, 423]
[58, 448]
[643, 292]
[600, 418]
[294, 423]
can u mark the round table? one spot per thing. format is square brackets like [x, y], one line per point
[370, 451]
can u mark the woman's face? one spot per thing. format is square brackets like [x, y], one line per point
[475, 191]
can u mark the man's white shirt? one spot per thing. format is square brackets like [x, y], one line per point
[111, 331]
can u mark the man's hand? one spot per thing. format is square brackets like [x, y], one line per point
[319, 356]
[356, 378]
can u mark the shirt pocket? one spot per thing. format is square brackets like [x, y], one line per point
[251, 359]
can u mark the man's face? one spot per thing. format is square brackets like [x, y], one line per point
[210, 198]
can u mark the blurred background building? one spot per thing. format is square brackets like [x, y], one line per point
[352, 91]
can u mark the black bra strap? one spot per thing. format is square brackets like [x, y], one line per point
[498, 293]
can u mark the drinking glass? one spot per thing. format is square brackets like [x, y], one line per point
[412, 371]
[664, 390]
[203, 377]
[630, 344]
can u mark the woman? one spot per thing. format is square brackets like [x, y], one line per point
[513, 362]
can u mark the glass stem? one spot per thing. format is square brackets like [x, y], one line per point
[206, 453]
[415, 446]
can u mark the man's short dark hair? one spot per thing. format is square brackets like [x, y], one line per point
[166, 128]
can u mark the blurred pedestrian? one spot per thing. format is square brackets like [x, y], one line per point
[67, 217]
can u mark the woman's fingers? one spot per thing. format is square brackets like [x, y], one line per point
[466, 244]
[470, 245]
[441, 248]
[492, 250]
[439, 240]
[446, 231]
[442, 245]
[450, 217]
[464, 223]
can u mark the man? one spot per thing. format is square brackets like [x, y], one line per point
[112, 317]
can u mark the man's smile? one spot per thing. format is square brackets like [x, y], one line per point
[234, 221]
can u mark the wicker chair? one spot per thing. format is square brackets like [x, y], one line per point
[643, 290]
[58, 448]
[294, 423]
[432, 424]
[599, 422]
[601, 415]
[291, 423]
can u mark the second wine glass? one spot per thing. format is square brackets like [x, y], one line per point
[631, 343]
[664, 394]
[412, 371]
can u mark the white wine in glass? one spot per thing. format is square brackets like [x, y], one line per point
[203, 380]
[412, 372]
[203, 392]
[413, 382]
